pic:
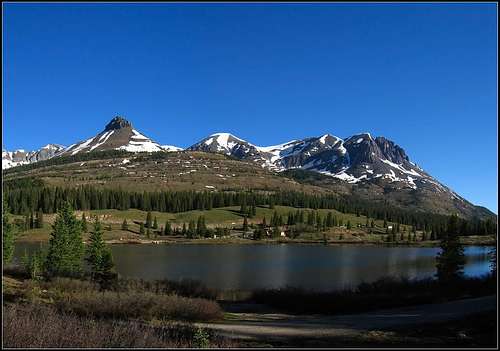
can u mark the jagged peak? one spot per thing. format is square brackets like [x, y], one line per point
[117, 122]
[324, 137]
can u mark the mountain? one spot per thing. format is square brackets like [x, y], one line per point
[119, 135]
[21, 157]
[360, 165]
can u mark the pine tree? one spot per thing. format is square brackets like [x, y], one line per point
[66, 248]
[155, 223]
[243, 208]
[245, 224]
[451, 259]
[27, 222]
[124, 224]
[329, 220]
[148, 220]
[271, 203]
[191, 229]
[253, 210]
[200, 226]
[32, 221]
[148, 233]
[84, 223]
[39, 219]
[184, 230]
[168, 228]
[348, 224]
[141, 229]
[98, 255]
[8, 235]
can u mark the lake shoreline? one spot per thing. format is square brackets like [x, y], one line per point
[466, 241]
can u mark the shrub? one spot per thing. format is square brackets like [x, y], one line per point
[145, 305]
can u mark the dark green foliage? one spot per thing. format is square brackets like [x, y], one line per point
[39, 219]
[84, 223]
[124, 225]
[148, 220]
[168, 228]
[201, 228]
[155, 223]
[66, 248]
[245, 224]
[191, 232]
[99, 257]
[141, 229]
[451, 259]
[34, 195]
[34, 264]
[8, 235]
[31, 221]
[243, 208]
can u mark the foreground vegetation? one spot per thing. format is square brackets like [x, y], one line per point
[78, 313]
[22, 329]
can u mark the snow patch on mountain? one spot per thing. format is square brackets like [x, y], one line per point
[171, 148]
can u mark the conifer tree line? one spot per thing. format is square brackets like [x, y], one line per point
[31, 197]
[66, 251]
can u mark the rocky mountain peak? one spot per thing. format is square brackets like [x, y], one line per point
[117, 123]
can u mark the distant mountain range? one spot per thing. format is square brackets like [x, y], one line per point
[374, 165]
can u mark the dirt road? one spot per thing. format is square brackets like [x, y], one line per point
[275, 325]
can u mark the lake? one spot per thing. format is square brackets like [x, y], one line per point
[248, 267]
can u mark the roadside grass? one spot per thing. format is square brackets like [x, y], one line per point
[383, 293]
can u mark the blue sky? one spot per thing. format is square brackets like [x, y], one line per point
[423, 75]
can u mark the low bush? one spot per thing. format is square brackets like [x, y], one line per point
[142, 305]
[185, 287]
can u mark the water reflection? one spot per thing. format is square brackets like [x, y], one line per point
[248, 267]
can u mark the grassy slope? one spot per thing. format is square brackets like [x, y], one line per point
[224, 217]
[174, 171]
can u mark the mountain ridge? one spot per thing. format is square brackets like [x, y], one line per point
[375, 165]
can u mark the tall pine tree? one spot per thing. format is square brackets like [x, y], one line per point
[66, 248]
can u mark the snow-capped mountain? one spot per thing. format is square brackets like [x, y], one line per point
[357, 159]
[119, 135]
[21, 157]
[360, 165]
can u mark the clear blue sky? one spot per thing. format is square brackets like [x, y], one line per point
[423, 75]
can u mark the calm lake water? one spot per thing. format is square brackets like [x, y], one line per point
[248, 267]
